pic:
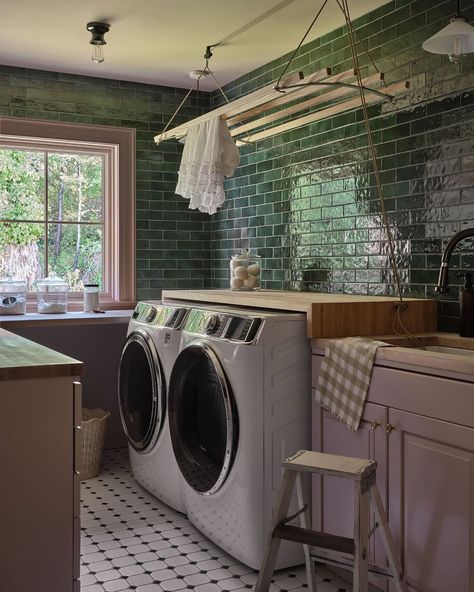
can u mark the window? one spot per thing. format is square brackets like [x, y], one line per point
[67, 206]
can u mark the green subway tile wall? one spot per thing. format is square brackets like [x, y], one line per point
[306, 200]
[173, 246]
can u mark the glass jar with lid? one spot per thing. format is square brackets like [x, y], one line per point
[245, 270]
[12, 296]
[52, 295]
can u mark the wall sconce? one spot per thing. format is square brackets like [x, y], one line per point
[455, 40]
[98, 30]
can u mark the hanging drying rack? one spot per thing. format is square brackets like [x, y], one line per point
[241, 113]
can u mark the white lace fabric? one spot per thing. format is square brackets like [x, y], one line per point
[209, 155]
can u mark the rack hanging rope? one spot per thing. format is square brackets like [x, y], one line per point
[205, 71]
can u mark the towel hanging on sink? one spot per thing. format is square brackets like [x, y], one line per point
[344, 377]
[209, 155]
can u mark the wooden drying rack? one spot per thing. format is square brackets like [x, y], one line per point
[343, 95]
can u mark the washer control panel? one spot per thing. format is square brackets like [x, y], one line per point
[159, 315]
[222, 325]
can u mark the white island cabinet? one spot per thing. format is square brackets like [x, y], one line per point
[418, 424]
[40, 448]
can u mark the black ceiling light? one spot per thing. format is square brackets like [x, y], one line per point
[98, 30]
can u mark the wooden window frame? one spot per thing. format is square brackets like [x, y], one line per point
[118, 147]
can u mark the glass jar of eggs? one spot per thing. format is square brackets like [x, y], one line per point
[245, 269]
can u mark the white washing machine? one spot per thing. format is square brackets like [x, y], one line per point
[148, 356]
[239, 403]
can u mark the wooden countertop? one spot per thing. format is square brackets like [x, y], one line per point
[405, 355]
[69, 318]
[21, 358]
[329, 315]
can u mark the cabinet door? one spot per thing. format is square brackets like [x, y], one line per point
[431, 501]
[36, 496]
[333, 497]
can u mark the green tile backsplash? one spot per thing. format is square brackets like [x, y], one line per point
[173, 246]
[306, 200]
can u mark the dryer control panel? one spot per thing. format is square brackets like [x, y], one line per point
[222, 325]
[159, 315]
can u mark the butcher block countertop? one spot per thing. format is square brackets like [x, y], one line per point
[328, 315]
[21, 358]
[108, 317]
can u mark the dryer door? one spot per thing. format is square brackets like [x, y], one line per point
[203, 418]
[141, 391]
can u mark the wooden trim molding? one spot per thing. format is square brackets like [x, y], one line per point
[118, 145]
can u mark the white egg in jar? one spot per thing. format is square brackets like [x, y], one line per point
[254, 269]
[251, 282]
[236, 283]
[241, 272]
[235, 263]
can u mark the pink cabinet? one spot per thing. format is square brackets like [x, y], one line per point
[425, 475]
[431, 501]
[40, 450]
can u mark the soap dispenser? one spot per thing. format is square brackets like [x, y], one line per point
[466, 305]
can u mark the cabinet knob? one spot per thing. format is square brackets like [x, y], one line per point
[389, 428]
[374, 424]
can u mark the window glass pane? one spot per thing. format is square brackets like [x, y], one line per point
[75, 253]
[21, 184]
[22, 251]
[75, 187]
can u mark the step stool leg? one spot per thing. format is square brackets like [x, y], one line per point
[305, 522]
[385, 533]
[273, 544]
[361, 539]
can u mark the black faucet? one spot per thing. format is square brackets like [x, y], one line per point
[442, 286]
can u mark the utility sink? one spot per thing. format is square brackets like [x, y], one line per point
[456, 351]
[440, 343]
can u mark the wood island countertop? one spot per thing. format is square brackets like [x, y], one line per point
[21, 358]
[328, 315]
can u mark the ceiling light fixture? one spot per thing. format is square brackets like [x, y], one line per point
[98, 30]
[454, 40]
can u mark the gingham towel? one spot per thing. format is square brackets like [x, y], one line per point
[344, 378]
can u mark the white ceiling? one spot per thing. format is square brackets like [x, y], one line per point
[159, 41]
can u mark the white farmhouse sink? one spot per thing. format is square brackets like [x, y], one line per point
[456, 351]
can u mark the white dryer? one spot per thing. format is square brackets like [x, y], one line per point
[239, 403]
[147, 358]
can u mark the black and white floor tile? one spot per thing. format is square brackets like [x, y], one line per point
[132, 541]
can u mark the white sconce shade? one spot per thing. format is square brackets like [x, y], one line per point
[455, 40]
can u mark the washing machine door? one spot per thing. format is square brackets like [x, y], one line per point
[141, 391]
[203, 418]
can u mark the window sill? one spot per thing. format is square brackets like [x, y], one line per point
[70, 318]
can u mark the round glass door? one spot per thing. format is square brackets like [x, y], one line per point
[141, 391]
[203, 419]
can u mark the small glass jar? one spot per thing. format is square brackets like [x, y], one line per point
[12, 296]
[52, 295]
[91, 297]
[245, 270]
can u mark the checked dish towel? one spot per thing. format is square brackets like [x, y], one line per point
[344, 377]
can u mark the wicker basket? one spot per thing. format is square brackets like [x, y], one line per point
[94, 422]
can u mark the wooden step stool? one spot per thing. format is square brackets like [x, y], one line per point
[326, 548]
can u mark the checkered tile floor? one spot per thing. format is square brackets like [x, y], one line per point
[132, 541]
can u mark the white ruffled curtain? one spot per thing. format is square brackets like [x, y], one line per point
[209, 155]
